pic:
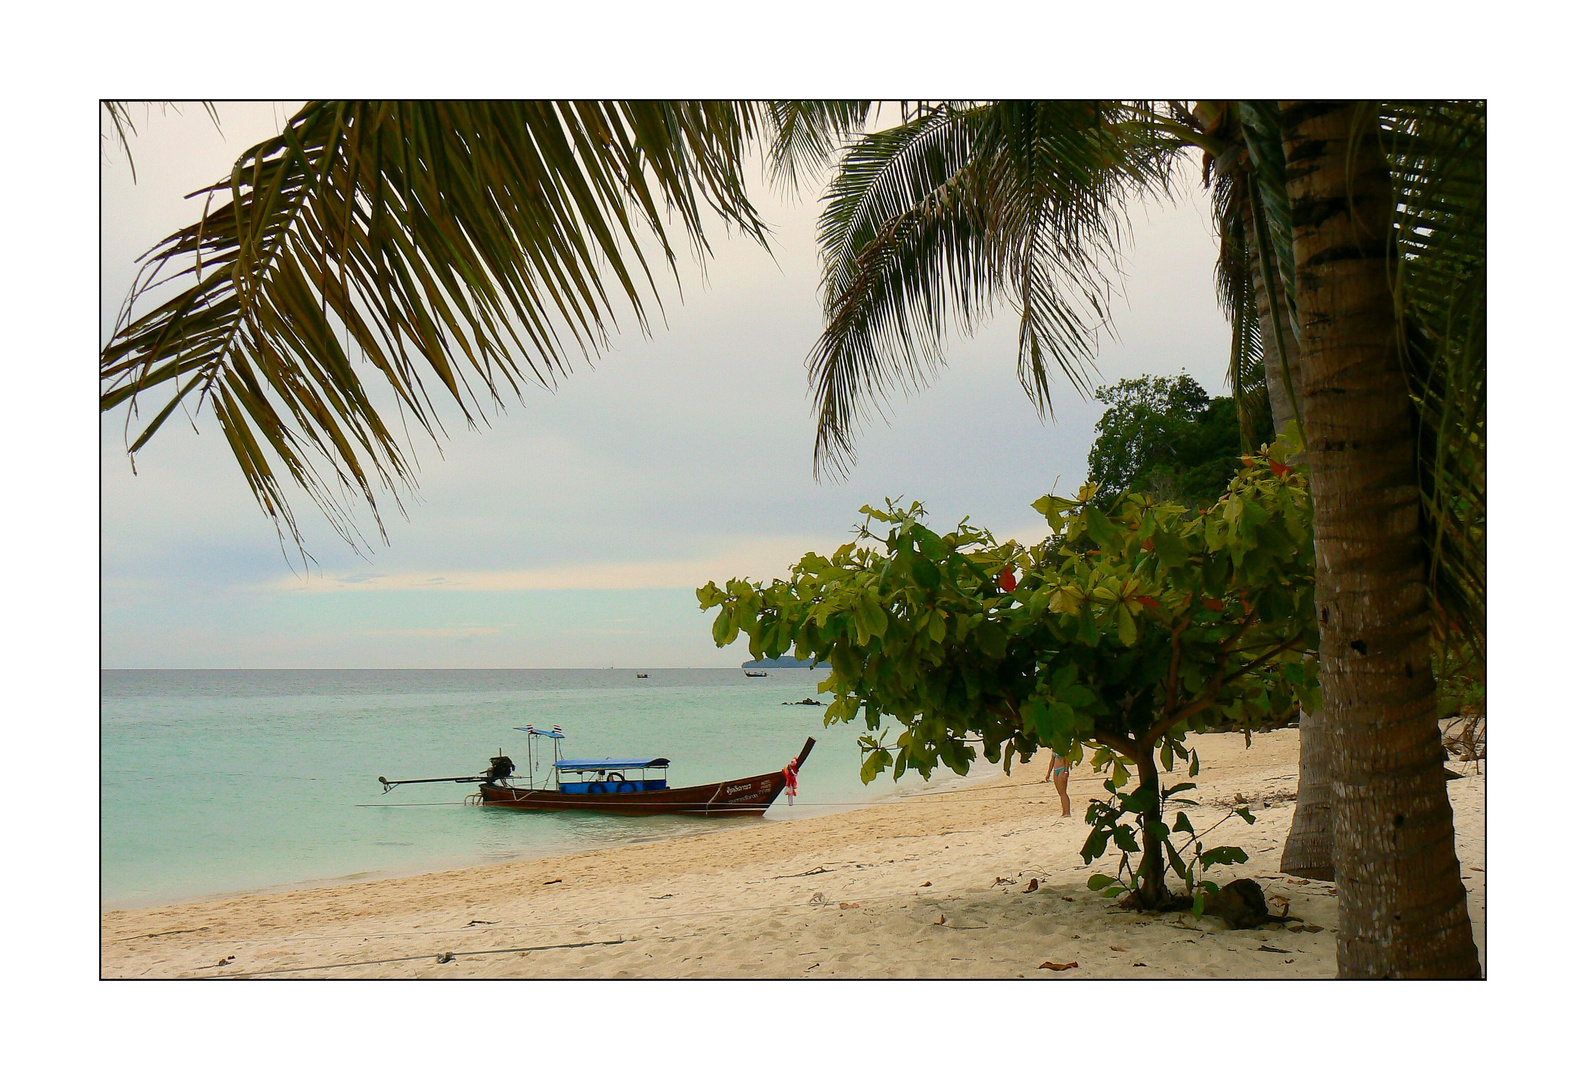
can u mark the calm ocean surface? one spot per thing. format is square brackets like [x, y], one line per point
[218, 782]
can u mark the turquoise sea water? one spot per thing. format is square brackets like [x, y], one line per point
[217, 782]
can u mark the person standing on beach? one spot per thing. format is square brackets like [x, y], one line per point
[1057, 772]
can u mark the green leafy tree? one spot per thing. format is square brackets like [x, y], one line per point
[1165, 437]
[1129, 628]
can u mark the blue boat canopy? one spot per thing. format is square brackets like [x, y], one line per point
[590, 764]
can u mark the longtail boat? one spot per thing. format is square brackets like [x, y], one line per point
[616, 785]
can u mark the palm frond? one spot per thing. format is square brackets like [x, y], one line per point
[802, 136]
[476, 246]
[1237, 296]
[121, 123]
[119, 113]
[1269, 229]
[955, 210]
[899, 230]
[1437, 152]
[1064, 172]
[1263, 141]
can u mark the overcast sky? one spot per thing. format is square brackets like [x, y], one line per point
[572, 531]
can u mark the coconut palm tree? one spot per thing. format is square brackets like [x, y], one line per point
[1249, 192]
[1402, 907]
[1435, 153]
[912, 231]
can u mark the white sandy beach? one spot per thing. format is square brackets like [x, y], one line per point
[925, 886]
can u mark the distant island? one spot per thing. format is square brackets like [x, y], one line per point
[784, 661]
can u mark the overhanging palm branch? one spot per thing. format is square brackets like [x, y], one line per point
[1262, 140]
[801, 137]
[960, 208]
[1236, 295]
[1271, 237]
[478, 244]
[124, 127]
[1437, 152]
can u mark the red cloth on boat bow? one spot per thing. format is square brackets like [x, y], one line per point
[791, 776]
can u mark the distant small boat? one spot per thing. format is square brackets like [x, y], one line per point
[642, 675]
[610, 786]
[757, 674]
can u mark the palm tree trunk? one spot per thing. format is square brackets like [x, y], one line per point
[1308, 851]
[1401, 905]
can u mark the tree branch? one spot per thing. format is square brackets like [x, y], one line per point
[1172, 670]
[1219, 678]
[1130, 748]
[1268, 655]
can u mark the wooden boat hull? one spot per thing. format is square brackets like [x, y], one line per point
[750, 795]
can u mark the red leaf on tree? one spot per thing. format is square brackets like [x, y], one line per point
[1148, 601]
[1280, 470]
[1214, 605]
[1005, 580]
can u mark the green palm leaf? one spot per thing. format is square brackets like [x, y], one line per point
[477, 245]
[958, 209]
[1437, 152]
[802, 136]
[1236, 295]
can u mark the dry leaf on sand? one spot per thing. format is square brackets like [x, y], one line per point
[1059, 967]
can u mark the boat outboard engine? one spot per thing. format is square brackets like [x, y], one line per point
[500, 768]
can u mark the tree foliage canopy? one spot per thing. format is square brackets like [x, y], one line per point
[1165, 437]
[1131, 626]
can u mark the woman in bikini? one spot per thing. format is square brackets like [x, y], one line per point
[1057, 772]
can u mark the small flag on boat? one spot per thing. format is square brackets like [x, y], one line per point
[557, 728]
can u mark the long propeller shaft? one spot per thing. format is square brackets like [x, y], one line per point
[387, 785]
